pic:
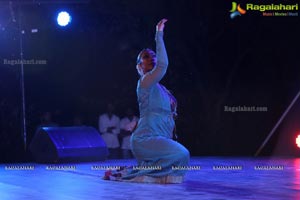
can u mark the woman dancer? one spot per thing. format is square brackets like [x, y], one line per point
[160, 159]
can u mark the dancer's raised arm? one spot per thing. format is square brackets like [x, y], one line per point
[152, 67]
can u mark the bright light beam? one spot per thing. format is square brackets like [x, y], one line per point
[298, 141]
[63, 18]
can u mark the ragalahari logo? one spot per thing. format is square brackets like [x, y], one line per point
[236, 10]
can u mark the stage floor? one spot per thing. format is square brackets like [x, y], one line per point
[215, 178]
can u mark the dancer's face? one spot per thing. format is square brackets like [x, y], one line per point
[146, 61]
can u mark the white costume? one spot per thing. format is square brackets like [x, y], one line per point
[128, 125]
[111, 139]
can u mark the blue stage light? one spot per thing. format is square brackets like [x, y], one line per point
[63, 18]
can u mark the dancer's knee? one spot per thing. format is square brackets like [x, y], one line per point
[184, 154]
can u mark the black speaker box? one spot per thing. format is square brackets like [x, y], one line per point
[68, 144]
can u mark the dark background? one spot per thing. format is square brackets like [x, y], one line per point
[214, 61]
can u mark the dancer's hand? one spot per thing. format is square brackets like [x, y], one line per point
[161, 25]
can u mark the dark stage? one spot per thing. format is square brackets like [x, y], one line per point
[232, 178]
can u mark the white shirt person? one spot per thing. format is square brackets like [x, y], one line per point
[109, 127]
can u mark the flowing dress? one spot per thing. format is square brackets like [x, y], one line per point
[152, 145]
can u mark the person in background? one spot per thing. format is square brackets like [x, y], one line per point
[109, 127]
[127, 125]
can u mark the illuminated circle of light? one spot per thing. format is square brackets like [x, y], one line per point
[298, 141]
[63, 18]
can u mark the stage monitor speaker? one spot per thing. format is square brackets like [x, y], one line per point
[68, 144]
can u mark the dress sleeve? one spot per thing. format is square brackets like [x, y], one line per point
[158, 72]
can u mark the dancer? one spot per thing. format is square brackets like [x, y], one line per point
[159, 158]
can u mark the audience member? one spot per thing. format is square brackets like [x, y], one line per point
[109, 127]
[127, 125]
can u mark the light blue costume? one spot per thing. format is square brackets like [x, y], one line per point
[151, 142]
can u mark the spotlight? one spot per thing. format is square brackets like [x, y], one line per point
[63, 18]
[298, 141]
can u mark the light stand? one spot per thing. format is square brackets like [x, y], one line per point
[24, 129]
[277, 124]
